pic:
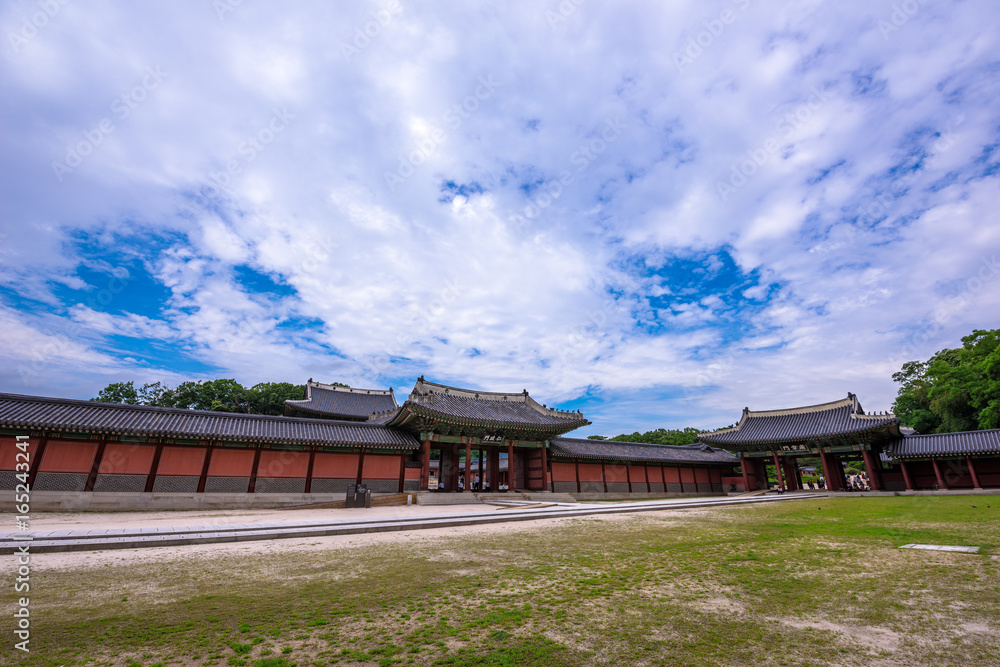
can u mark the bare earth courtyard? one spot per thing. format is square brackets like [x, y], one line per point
[815, 582]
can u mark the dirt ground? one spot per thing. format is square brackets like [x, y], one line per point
[98, 520]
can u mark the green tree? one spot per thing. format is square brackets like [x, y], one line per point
[268, 398]
[662, 436]
[222, 395]
[119, 392]
[955, 390]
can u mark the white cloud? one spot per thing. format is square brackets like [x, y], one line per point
[446, 280]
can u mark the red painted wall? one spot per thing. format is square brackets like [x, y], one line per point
[68, 456]
[381, 466]
[127, 459]
[231, 463]
[638, 476]
[275, 463]
[9, 452]
[687, 476]
[413, 473]
[615, 472]
[590, 472]
[336, 466]
[181, 461]
[563, 472]
[672, 474]
[701, 475]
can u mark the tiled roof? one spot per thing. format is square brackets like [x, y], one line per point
[639, 451]
[344, 402]
[429, 399]
[947, 444]
[60, 414]
[838, 418]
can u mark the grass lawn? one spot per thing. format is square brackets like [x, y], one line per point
[812, 582]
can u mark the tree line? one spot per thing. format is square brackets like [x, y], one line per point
[222, 395]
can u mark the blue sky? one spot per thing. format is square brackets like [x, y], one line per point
[658, 213]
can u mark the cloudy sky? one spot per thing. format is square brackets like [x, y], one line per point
[655, 212]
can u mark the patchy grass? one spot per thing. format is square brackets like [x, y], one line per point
[813, 582]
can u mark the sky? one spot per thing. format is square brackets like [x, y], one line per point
[656, 213]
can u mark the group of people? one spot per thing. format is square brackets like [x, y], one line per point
[858, 483]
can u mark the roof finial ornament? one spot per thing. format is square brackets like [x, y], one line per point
[420, 379]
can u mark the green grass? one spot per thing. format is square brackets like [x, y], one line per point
[810, 582]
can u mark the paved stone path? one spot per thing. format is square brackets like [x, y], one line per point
[131, 538]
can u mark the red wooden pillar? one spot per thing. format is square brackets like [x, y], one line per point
[468, 467]
[874, 472]
[604, 477]
[309, 471]
[831, 483]
[92, 478]
[906, 475]
[663, 476]
[425, 465]
[204, 468]
[744, 463]
[645, 471]
[253, 471]
[628, 477]
[402, 472]
[361, 466]
[937, 473]
[576, 464]
[510, 466]
[454, 469]
[151, 478]
[777, 471]
[494, 469]
[545, 469]
[36, 461]
[972, 473]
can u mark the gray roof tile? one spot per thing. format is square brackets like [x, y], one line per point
[964, 443]
[63, 414]
[345, 402]
[639, 451]
[843, 417]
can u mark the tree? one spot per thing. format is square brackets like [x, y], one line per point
[955, 390]
[660, 436]
[268, 398]
[119, 392]
[226, 395]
